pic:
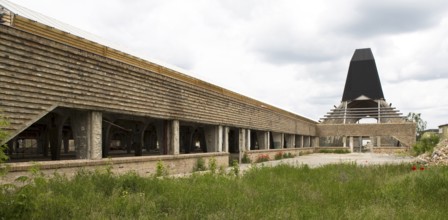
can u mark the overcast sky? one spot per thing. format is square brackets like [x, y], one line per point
[290, 54]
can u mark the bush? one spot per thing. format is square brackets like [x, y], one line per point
[278, 156]
[262, 158]
[426, 144]
[212, 165]
[246, 158]
[289, 155]
[200, 165]
[161, 170]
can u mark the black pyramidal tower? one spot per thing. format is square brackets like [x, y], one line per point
[362, 78]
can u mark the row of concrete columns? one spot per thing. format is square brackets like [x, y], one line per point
[352, 142]
[91, 136]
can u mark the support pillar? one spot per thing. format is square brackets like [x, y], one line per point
[55, 135]
[378, 141]
[225, 140]
[174, 137]
[301, 141]
[344, 141]
[213, 138]
[316, 142]
[351, 143]
[242, 139]
[248, 140]
[87, 133]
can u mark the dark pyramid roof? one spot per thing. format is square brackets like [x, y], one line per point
[362, 77]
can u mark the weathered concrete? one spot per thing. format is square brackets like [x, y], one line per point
[87, 134]
[144, 166]
[405, 132]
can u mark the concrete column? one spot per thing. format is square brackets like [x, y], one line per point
[378, 141]
[248, 140]
[360, 143]
[263, 140]
[55, 135]
[213, 138]
[344, 141]
[225, 145]
[316, 142]
[351, 143]
[301, 141]
[174, 138]
[278, 140]
[87, 133]
[242, 139]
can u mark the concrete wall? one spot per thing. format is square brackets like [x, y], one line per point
[143, 166]
[39, 72]
[405, 132]
[271, 153]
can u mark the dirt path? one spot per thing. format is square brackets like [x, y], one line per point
[316, 160]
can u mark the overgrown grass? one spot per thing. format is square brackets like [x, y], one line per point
[344, 191]
[426, 144]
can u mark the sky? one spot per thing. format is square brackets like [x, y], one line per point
[292, 54]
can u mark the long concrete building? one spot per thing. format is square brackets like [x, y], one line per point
[69, 95]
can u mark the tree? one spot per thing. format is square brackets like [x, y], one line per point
[416, 118]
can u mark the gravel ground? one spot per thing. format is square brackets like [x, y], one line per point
[316, 160]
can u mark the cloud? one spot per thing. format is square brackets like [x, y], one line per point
[382, 17]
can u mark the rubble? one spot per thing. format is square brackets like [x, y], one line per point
[439, 156]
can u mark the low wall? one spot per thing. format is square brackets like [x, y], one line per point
[144, 166]
[379, 150]
[390, 150]
[254, 154]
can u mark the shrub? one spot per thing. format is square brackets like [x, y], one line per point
[235, 168]
[426, 144]
[200, 165]
[161, 170]
[262, 158]
[278, 156]
[212, 166]
[246, 158]
[289, 155]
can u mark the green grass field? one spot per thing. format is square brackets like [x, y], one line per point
[343, 191]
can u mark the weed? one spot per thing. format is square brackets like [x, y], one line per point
[334, 151]
[262, 158]
[161, 170]
[426, 144]
[278, 156]
[200, 165]
[246, 158]
[235, 168]
[212, 165]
